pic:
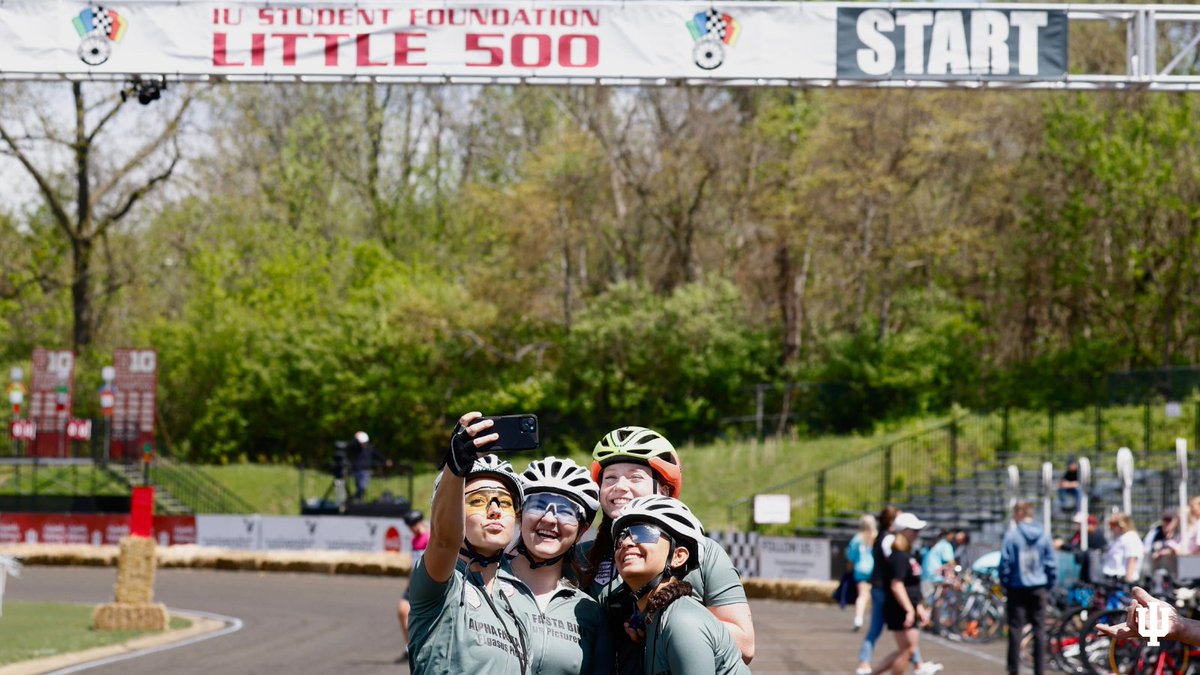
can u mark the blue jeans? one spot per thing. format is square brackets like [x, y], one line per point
[873, 633]
[1074, 493]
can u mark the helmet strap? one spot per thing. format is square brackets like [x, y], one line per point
[651, 585]
[478, 558]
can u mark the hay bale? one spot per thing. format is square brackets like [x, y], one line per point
[125, 616]
[135, 571]
[789, 589]
[232, 560]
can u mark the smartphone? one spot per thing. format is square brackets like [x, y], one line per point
[517, 432]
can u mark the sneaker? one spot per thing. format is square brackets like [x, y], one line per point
[403, 658]
[929, 668]
[863, 671]
[857, 624]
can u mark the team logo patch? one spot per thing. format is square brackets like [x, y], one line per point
[99, 27]
[472, 597]
[712, 30]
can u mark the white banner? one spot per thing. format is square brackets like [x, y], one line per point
[336, 533]
[600, 39]
[793, 558]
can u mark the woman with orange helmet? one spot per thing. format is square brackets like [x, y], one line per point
[632, 462]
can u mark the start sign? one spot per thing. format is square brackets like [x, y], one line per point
[23, 430]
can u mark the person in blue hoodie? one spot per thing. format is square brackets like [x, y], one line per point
[1028, 567]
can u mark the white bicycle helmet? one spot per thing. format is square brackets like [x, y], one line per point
[563, 477]
[642, 446]
[670, 514]
[491, 465]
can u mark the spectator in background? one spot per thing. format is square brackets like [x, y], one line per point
[1163, 542]
[1123, 558]
[937, 559]
[961, 540]
[420, 539]
[1190, 540]
[1096, 542]
[862, 563]
[1068, 486]
[902, 609]
[366, 457]
[1028, 567]
[880, 551]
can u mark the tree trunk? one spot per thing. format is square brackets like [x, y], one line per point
[81, 292]
[864, 266]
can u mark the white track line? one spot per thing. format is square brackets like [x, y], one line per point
[233, 625]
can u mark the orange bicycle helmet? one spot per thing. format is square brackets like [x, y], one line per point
[639, 445]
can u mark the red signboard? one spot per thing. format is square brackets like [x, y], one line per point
[51, 392]
[79, 430]
[134, 389]
[19, 528]
[22, 430]
[141, 511]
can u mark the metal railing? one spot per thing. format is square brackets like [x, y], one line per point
[937, 461]
[81, 469]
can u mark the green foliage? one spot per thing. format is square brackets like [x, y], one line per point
[929, 359]
[675, 363]
[388, 257]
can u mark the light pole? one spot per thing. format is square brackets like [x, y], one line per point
[16, 396]
[107, 401]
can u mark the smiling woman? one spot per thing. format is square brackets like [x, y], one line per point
[567, 628]
[658, 542]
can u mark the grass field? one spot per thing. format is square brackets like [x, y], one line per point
[34, 631]
[22, 479]
[714, 474]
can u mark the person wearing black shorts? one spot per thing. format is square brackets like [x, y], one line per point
[903, 613]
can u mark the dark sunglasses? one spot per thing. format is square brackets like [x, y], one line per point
[564, 510]
[641, 533]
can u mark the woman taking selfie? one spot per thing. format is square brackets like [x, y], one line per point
[460, 622]
[658, 542]
[567, 631]
[632, 462]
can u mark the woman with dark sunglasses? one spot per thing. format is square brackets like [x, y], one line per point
[632, 462]
[658, 542]
[462, 620]
[568, 633]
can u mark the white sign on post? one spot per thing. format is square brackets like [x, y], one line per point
[8, 565]
[793, 558]
[772, 509]
[1174, 409]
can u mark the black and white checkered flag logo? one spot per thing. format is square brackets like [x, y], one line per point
[716, 25]
[101, 21]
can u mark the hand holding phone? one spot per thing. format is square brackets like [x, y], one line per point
[517, 432]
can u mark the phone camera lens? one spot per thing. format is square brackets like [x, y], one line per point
[527, 424]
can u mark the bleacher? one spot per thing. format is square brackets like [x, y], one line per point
[979, 502]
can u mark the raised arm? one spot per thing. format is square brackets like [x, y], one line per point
[446, 519]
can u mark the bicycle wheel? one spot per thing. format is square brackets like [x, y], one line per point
[980, 620]
[1063, 641]
[1127, 654]
[1137, 656]
[944, 612]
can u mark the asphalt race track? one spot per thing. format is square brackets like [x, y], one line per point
[311, 623]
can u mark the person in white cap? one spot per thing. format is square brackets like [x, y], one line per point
[903, 612]
[366, 457]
